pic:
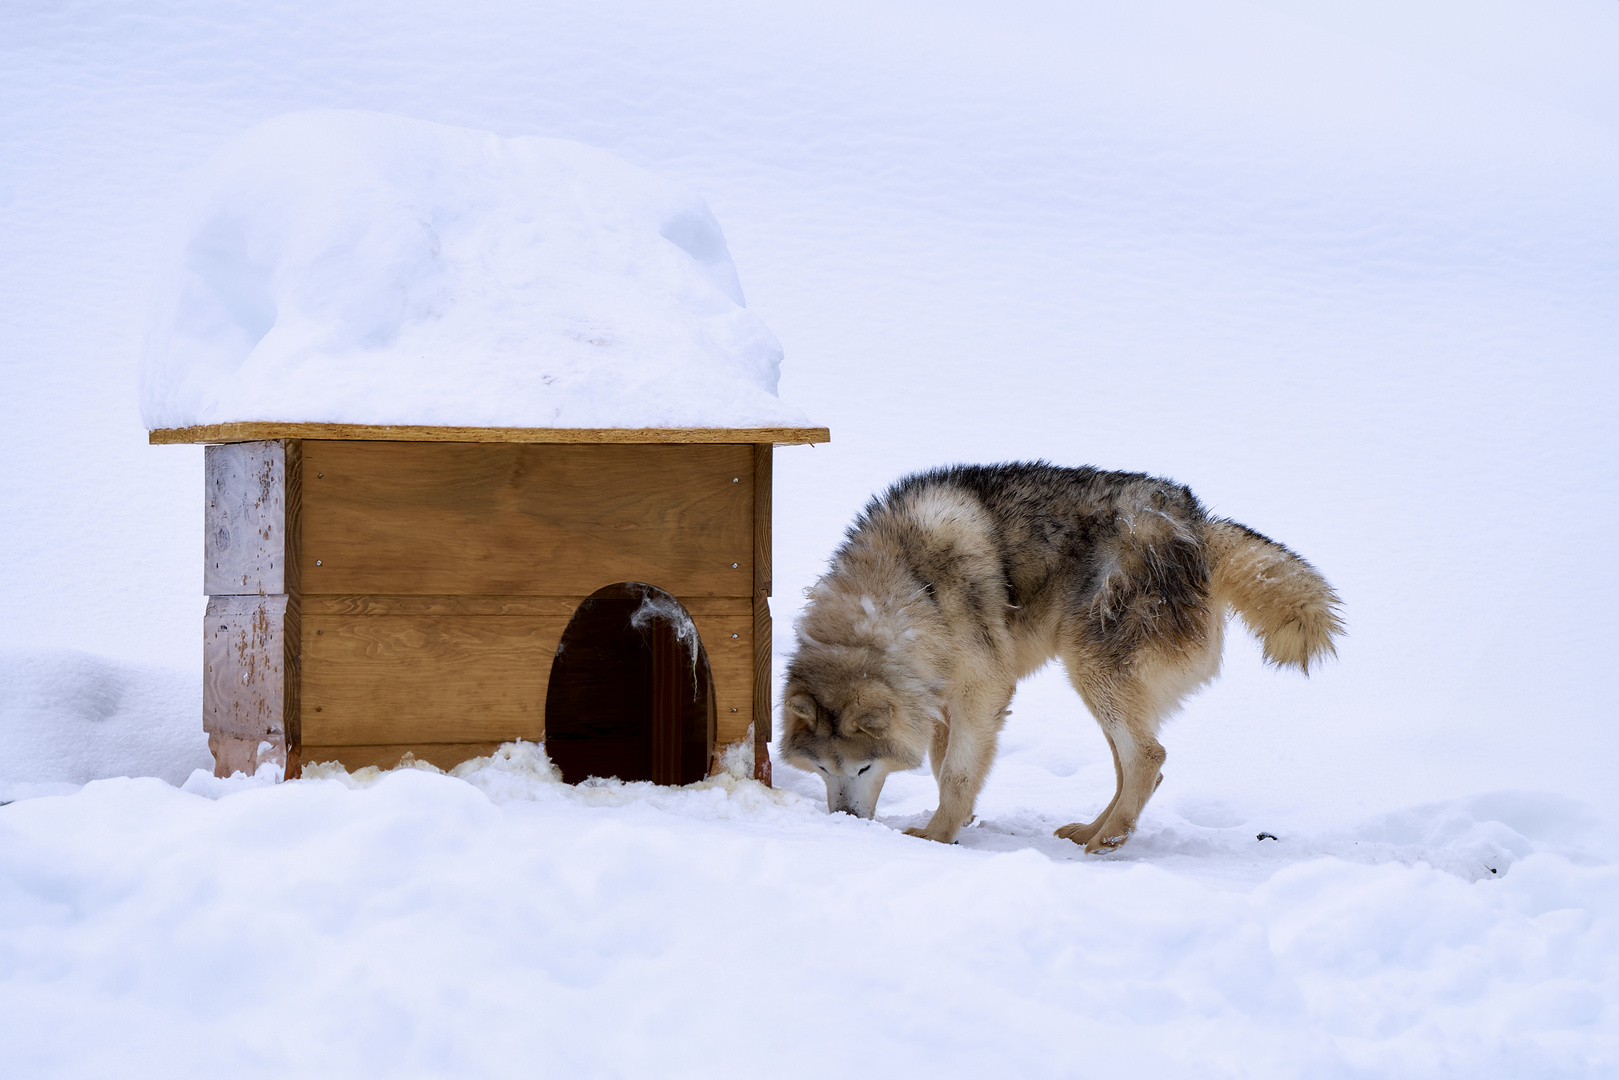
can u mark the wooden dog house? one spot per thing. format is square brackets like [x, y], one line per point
[378, 590]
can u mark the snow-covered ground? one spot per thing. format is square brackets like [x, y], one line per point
[1347, 272]
[507, 925]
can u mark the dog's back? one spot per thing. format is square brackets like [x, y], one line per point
[1133, 559]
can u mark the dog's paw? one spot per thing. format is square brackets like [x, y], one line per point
[1079, 832]
[925, 835]
[1100, 843]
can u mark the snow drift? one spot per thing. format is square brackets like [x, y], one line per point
[354, 267]
[67, 717]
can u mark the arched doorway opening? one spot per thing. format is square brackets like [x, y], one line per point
[630, 693]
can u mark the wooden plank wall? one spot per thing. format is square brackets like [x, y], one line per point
[728, 640]
[438, 580]
[535, 520]
[383, 679]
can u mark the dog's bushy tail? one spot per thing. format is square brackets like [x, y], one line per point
[1284, 600]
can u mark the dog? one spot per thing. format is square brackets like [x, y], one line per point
[956, 583]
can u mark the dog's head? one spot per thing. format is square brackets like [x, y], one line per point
[853, 722]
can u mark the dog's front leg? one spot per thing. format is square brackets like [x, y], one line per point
[939, 745]
[961, 771]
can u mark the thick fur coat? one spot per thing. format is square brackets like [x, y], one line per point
[956, 583]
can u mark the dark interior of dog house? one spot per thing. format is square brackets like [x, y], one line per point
[630, 695]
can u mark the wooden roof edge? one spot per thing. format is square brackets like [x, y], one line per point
[257, 430]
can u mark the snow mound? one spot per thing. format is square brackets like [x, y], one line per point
[67, 718]
[353, 267]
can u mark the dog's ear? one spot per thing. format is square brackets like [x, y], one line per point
[873, 720]
[801, 707]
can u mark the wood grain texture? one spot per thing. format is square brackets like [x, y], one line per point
[251, 684]
[255, 430]
[377, 604]
[728, 641]
[761, 671]
[762, 712]
[761, 764]
[460, 519]
[251, 518]
[762, 484]
[428, 679]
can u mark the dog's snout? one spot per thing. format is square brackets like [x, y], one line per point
[854, 794]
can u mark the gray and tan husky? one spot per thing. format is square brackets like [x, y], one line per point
[956, 583]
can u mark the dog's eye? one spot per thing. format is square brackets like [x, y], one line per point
[823, 769]
[864, 769]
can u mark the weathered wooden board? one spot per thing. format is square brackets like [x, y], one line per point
[251, 682]
[378, 604]
[441, 519]
[407, 679]
[762, 485]
[762, 525]
[761, 689]
[246, 431]
[250, 518]
[761, 668]
[728, 641]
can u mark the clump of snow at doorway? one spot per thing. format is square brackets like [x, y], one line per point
[353, 267]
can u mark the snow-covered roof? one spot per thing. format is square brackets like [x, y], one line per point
[353, 267]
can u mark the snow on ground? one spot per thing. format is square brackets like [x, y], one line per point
[496, 922]
[1348, 273]
[504, 924]
[353, 267]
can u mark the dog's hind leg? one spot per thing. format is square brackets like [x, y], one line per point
[1081, 833]
[1128, 718]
